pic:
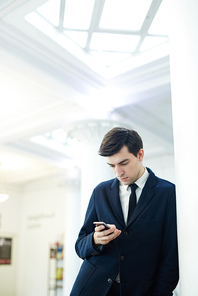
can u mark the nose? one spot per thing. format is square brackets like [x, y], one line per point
[118, 171]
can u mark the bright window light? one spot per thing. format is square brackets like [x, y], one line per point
[78, 14]
[114, 42]
[160, 23]
[59, 135]
[50, 10]
[79, 38]
[109, 58]
[124, 14]
[50, 143]
[70, 150]
[151, 41]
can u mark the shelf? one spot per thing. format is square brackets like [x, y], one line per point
[55, 275]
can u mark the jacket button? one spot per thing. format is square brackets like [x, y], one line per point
[122, 258]
[109, 281]
[126, 233]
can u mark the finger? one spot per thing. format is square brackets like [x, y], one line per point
[99, 228]
[99, 238]
[107, 232]
[110, 237]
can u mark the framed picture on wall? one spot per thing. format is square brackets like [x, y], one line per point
[5, 250]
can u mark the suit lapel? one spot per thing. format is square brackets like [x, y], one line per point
[146, 196]
[114, 199]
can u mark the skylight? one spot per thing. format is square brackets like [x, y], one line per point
[114, 42]
[160, 24]
[103, 33]
[79, 38]
[107, 58]
[78, 14]
[124, 14]
[50, 10]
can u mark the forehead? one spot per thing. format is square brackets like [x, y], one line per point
[122, 155]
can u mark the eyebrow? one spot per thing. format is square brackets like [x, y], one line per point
[119, 162]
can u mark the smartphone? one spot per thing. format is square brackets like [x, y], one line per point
[102, 223]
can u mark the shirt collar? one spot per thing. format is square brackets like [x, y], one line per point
[140, 182]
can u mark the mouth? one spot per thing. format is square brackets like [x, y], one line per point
[123, 179]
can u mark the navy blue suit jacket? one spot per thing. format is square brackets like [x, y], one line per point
[145, 254]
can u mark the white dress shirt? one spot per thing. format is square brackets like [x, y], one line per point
[125, 191]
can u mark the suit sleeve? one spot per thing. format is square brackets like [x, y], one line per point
[85, 245]
[167, 274]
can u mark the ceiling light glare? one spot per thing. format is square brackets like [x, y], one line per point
[59, 135]
[3, 197]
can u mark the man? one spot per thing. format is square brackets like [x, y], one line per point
[138, 255]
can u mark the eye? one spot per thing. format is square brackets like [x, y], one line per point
[125, 163]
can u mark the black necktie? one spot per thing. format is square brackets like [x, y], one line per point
[132, 201]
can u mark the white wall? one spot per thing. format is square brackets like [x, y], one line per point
[34, 217]
[42, 224]
[162, 165]
[10, 223]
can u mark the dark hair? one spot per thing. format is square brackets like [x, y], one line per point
[118, 137]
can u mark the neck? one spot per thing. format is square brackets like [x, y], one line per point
[142, 170]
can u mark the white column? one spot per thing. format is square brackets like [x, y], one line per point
[184, 81]
[94, 168]
[72, 226]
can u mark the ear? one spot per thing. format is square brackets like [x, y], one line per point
[140, 155]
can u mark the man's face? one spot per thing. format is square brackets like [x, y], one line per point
[126, 167]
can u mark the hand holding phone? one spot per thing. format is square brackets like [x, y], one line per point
[102, 223]
[104, 236]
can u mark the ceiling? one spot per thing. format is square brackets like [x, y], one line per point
[48, 81]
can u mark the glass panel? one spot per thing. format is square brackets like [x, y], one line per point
[50, 10]
[79, 38]
[114, 42]
[124, 14]
[78, 14]
[151, 41]
[109, 58]
[160, 24]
